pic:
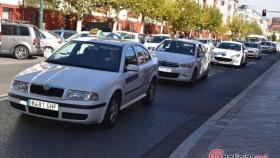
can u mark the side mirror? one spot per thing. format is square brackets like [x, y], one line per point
[131, 67]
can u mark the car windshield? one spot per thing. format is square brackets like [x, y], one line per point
[157, 39]
[251, 45]
[104, 57]
[230, 46]
[265, 43]
[177, 47]
[203, 41]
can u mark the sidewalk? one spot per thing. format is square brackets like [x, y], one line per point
[250, 124]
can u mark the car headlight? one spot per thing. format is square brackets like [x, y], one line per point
[188, 65]
[20, 86]
[81, 95]
[236, 56]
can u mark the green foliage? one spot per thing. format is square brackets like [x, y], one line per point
[273, 37]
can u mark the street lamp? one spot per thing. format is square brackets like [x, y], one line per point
[41, 14]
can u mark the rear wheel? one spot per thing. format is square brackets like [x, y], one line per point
[245, 62]
[112, 112]
[150, 94]
[205, 76]
[21, 52]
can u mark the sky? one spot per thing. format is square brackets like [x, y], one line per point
[259, 5]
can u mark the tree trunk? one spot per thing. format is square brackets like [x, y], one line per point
[161, 27]
[142, 24]
[79, 25]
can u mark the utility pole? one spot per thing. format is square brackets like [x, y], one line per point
[41, 14]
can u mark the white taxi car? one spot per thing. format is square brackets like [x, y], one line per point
[230, 53]
[182, 60]
[87, 81]
[154, 41]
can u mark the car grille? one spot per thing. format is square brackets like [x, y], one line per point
[43, 112]
[168, 64]
[73, 116]
[223, 59]
[169, 75]
[51, 92]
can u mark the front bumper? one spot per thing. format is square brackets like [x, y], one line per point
[226, 60]
[254, 54]
[66, 112]
[176, 74]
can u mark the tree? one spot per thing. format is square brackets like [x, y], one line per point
[273, 37]
[221, 30]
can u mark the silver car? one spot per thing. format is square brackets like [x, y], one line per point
[20, 40]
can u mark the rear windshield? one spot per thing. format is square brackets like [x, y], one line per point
[230, 46]
[177, 47]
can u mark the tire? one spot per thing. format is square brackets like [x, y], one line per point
[245, 62]
[112, 112]
[21, 52]
[194, 79]
[150, 94]
[205, 76]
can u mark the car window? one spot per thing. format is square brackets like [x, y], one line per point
[129, 36]
[90, 55]
[203, 49]
[229, 46]
[130, 57]
[142, 54]
[23, 31]
[37, 32]
[66, 35]
[200, 50]
[42, 35]
[156, 39]
[9, 30]
[177, 47]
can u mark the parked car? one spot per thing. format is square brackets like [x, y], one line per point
[20, 40]
[130, 36]
[254, 49]
[50, 42]
[143, 38]
[78, 35]
[277, 46]
[154, 41]
[230, 53]
[208, 43]
[182, 60]
[87, 81]
[64, 34]
[267, 47]
[111, 35]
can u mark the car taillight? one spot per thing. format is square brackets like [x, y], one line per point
[36, 41]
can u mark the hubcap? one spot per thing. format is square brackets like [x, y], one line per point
[21, 52]
[114, 110]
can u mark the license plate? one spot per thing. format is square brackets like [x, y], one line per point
[43, 105]
[164, 69]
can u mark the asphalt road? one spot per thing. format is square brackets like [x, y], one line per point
[141, 131]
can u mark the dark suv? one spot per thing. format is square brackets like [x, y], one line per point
[20, 40]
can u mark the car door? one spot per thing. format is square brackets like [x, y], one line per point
[132, 80]
[9, 38]
[145, 66]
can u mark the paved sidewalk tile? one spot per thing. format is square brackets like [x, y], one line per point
[253, 130]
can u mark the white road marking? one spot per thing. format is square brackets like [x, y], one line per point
[3, 97]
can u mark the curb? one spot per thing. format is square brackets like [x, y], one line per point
[185, 147]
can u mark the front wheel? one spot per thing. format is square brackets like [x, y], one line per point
[193, 79]
[150, 94]
[245, 62]
[21, 52]
[112, 112]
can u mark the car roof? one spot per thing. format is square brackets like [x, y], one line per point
[64, 31]
[18, 24]
[234, 42]
[110, 41]
[185, 40]
[167, 35]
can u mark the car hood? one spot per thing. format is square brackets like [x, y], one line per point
[174, 57]
[227, 51]
[252, 49]
[67, 77]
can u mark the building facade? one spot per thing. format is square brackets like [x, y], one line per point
[249, 13]
[227, 7]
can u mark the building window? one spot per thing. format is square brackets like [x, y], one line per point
[6, 13]
[223, 3]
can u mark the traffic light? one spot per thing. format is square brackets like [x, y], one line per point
[264, 12]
